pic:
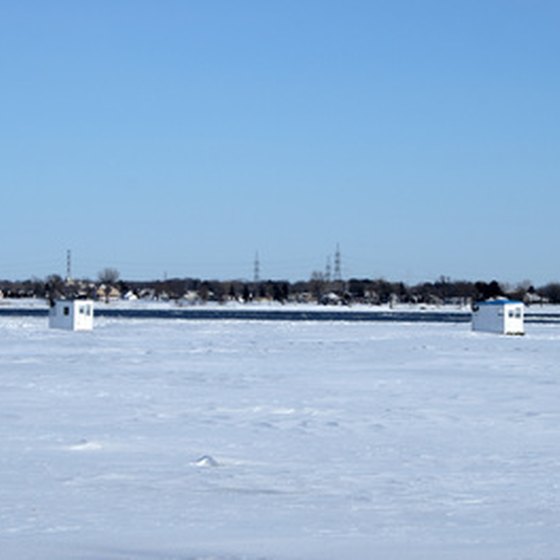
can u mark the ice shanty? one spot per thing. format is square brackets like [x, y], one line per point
[500, 316]
[72, 315]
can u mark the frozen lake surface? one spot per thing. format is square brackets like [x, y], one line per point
[230, 440]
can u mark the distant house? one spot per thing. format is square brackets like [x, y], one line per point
[500, 316]
[107, 292]
[532, 298]
[331, 299]
[72, 315]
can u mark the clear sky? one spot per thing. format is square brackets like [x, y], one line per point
[180, 137]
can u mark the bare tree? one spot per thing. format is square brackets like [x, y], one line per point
[108, 275]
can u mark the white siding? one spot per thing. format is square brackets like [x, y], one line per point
[499, 317]
[73, 315]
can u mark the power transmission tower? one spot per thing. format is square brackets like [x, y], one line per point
[328, 269]
[68, 265]
[257, 269]
[337, 265]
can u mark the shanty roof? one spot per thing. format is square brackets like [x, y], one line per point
[500, 302]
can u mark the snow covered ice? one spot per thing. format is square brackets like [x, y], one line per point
[229, 440]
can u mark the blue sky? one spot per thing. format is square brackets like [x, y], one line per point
[181, 137]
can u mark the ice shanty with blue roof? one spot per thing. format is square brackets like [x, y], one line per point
[501, 316]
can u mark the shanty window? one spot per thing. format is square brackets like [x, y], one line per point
[66, 310]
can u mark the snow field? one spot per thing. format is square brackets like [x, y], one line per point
[169, 439]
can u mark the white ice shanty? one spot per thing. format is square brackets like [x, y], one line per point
[72, 315]
[502, 316]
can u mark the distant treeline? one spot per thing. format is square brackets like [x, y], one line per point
[317, 290]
